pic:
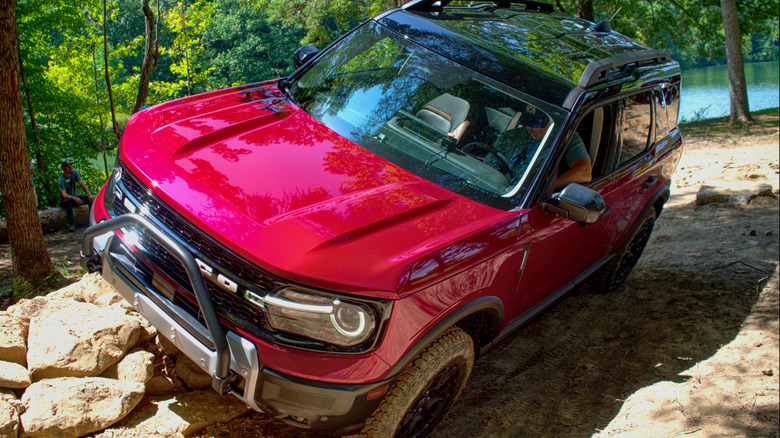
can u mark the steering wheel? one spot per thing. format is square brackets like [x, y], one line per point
[503, 163]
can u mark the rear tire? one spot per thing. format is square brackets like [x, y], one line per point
[615, 273]
[426, 390]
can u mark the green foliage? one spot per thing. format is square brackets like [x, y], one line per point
[323, 20]
[692, 30]
[243, 46]
[93, 177]
[188, 21]
[18, 289]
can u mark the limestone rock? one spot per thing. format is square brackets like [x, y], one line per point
[9, 396]
[13, 375]
[185, 414]
[167, 346]
[78, 340]
[192, 375]
[81, 405]
[148, 331]
[25, 310]
[164, 385]
[91, 289]
[732, 193]
[13, 340]
[136, 366]
[9, 420]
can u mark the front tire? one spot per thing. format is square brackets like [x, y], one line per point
[426, 390]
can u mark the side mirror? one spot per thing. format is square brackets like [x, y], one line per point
[578, 203]
[304, 54]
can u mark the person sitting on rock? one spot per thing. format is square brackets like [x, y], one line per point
[68, 197]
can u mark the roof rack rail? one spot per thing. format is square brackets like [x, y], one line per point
[597, 71]
[437, 5]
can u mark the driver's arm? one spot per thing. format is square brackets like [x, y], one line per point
[580, 167]
[580, 171]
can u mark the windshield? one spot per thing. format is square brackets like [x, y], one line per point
[428, 115]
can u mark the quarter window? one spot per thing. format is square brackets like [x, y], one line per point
[661, 118]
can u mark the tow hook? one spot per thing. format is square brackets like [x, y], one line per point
[92, 263]
[223, 386]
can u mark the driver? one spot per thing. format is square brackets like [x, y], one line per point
[576, 166]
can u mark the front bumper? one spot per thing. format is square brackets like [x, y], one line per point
[231, 360]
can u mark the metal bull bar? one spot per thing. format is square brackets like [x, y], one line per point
[223, 376]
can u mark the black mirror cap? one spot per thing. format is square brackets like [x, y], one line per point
[304, 54]
[578, 203]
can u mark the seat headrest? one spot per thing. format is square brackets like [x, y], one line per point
[455, 108]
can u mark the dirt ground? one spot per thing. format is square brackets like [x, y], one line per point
[687, 347]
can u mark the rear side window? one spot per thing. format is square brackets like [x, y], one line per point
[637, 121]
[661, 117]
[672, 99]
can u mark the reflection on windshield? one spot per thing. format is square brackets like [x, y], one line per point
[426, 114]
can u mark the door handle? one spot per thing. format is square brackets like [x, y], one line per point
[650, 181]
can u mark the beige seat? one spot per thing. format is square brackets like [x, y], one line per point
[447, 113]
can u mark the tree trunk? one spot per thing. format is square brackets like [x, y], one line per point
[29, 256]
[584, 9]
[149, 58]
[108, 79]
[737, 85]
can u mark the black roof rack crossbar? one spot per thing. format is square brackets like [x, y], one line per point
[437, 5]
[598, 71]
[530, 5]
[426, 5]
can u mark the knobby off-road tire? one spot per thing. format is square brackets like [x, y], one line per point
[426, 389]
[615, 273]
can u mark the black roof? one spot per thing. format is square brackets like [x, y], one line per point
[531, 48]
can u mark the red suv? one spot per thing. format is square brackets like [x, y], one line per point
[337, 247]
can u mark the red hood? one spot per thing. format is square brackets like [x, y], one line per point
[281, 189]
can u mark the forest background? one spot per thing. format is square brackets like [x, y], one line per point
[72, 53]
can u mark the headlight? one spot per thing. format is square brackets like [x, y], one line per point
[323, 318]
[112, 190]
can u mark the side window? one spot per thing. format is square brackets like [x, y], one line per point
[636, 126]
[661, 118]
[596, 131]
[672, 98]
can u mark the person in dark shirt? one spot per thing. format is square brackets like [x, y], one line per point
[68, 197]
[578, 167]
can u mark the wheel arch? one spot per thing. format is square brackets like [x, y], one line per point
[660, 199]
[657, 202]
[481, 319]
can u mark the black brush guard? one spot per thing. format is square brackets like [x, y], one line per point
[91, 261]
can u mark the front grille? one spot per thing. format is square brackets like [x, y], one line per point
[230, 305]
[200, 242]
[306, 399]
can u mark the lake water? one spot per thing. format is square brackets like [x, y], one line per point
[705, 90]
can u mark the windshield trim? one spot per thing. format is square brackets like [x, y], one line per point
[530, 166]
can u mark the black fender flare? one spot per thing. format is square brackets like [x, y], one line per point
[662, 195]
[491, 304]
